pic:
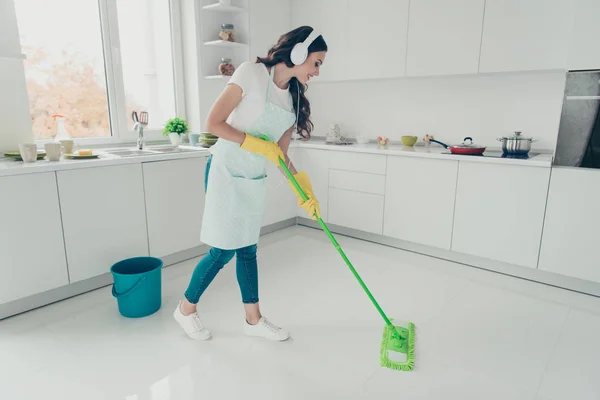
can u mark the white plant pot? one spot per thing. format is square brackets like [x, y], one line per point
[175, 139]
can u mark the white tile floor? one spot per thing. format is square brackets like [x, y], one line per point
[479, 335]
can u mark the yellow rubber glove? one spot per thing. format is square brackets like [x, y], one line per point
[269, 150]
[311, 205]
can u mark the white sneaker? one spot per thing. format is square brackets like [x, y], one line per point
[266, 329]
[191, 324]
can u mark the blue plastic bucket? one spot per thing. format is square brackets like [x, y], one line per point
[137, 286]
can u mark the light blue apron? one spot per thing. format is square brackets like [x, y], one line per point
[236, 192]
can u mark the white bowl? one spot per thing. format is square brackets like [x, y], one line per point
[362, 139]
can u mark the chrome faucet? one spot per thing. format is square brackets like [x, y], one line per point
[141, 122]
[139, 128]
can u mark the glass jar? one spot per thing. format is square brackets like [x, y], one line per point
[227, 33]
[226, 67]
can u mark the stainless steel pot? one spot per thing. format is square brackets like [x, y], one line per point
[516, 144]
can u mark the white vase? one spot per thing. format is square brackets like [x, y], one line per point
[175, 138]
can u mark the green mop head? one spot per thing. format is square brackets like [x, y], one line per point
[398, 346]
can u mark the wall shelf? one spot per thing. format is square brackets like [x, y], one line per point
[218, 7]
[225, 43]
[218, 77]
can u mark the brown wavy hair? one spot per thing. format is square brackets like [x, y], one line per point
[281, 53]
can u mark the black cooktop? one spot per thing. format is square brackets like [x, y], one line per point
[498, 154]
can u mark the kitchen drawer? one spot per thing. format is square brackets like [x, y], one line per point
[357, 181]
[368, 163]
[361, 211]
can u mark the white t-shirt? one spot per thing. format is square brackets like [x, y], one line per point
[254, 79]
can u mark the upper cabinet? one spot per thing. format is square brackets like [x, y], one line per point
[377, 32]
[444, 37]
[330, 18]
[583, 46]
[521, 35]
[396, 38]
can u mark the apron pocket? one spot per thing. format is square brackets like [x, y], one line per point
[249, 196]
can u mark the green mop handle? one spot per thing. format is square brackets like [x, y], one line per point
[335, 243]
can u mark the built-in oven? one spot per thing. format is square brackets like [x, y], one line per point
[578, 142]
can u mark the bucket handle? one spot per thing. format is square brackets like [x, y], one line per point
[127, 292]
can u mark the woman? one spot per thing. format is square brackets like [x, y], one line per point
[262, 100]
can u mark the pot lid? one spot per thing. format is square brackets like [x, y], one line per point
[468, 144]
[516, 136]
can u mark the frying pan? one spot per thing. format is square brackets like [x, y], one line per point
[466, 147]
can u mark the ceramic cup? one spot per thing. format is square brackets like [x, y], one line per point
[53, 151]
[67, 145]
[28, 152]
[194, 137]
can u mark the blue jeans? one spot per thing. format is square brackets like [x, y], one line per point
[210, 265]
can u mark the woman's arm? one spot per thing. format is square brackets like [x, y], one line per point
[284, 144]
[215, 122]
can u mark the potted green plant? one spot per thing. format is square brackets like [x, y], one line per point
[174, 129]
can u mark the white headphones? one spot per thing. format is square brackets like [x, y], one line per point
[300, 50]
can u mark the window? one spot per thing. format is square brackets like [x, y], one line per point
[95, 61]
[146, 59]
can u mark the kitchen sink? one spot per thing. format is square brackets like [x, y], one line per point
[148, 151]
[170, 149]
[129, 152]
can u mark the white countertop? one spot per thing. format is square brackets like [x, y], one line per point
[434, 151]
[11, 167]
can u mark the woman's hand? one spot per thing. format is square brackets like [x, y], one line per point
[269, 150]
[311, 205]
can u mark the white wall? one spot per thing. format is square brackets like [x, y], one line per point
[14, 103]
[482, 106]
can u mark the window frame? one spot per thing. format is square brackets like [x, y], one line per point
[115, 88]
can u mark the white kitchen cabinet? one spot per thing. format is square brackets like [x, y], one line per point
[419, 200]
[444, 37]
[377, 32]
[357, 181]
[316, 165]
[356, 210]
[104, 217]
[583, 44]
[520, 35]
[357, 162]
[174, 204]
[570, 239]
[281, 200]
[31, 237]
[330, 18]
[499, 211]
